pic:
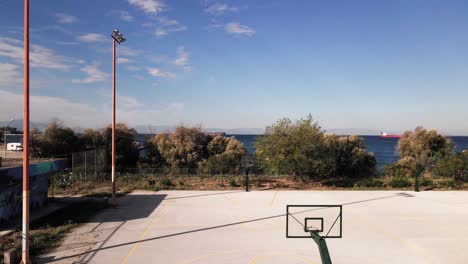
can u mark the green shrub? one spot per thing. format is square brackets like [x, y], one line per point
[339, 182]
[449, 183]
[369, 183]
[400, 169]
[166, 182]
[63, 180]
[426, 182]
[233, 183]
[400, 182]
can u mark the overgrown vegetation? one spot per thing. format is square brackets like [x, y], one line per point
[430, 157]
[58, 141]
[196, 151]
[303, 149]
[298, 149]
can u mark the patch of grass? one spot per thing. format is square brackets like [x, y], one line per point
[449, 184]
[400, 182]
[426, 182]
[166, 183]
[233, 183]
[369, 183]
[339, 182]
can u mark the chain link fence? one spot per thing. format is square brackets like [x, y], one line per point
[89, 165]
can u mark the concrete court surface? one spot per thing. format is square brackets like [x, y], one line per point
[214, 227]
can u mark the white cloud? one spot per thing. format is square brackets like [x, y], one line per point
[44, 108]
[94, 74]
[182, 59]
[122, 60]
[219, 9]
[127, 52]
[138, 77]
[238, 29]
[40, 57]
[74, 113]
[92, 37]
[133, 68]
[128, 102]
[155, 72]
[9, 75]
[166, 26]
[149, 6]
[65, 19]
[67, 42]
[123, 15]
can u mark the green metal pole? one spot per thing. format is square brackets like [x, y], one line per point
[416, 183]
[323, 248]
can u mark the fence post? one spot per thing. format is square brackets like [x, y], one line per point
[95, 165]
[85, 166]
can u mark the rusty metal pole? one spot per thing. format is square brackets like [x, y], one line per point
[25, 228]
[113, 122]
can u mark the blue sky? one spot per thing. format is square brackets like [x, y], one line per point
[380, 65]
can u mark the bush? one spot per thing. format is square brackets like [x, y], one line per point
[339, 182]
[453, 166]
[400, 182]
[423, 145]
[405, 167]
[369, 183]
[426, 182]
[166, 183]
[449, 183]
[233, 183]
[62, 179]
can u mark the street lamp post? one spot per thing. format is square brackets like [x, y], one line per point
[116, 37]
[25, 226]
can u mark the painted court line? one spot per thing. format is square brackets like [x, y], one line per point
[148, 228]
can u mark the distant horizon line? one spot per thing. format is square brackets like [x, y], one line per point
[144, 129]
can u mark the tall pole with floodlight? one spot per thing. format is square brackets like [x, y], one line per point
[117, 37]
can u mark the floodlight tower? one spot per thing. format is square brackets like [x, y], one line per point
[116, 37]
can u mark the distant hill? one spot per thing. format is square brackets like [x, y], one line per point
[152, 129]
[18, 123]
[162, 129]
[353, 131]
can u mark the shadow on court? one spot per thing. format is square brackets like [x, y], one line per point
[129, 207]
[94, 251]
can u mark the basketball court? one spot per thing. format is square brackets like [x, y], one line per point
[250, 227]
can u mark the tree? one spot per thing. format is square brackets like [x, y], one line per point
[191, 149]
[297, 148]
[56, 140]
[455, 166]
[225, 155]
[153, 154]
[93, 139]
[351, 158]
[183, 148]
[302, 148]
[126, 149]
[423, 145]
